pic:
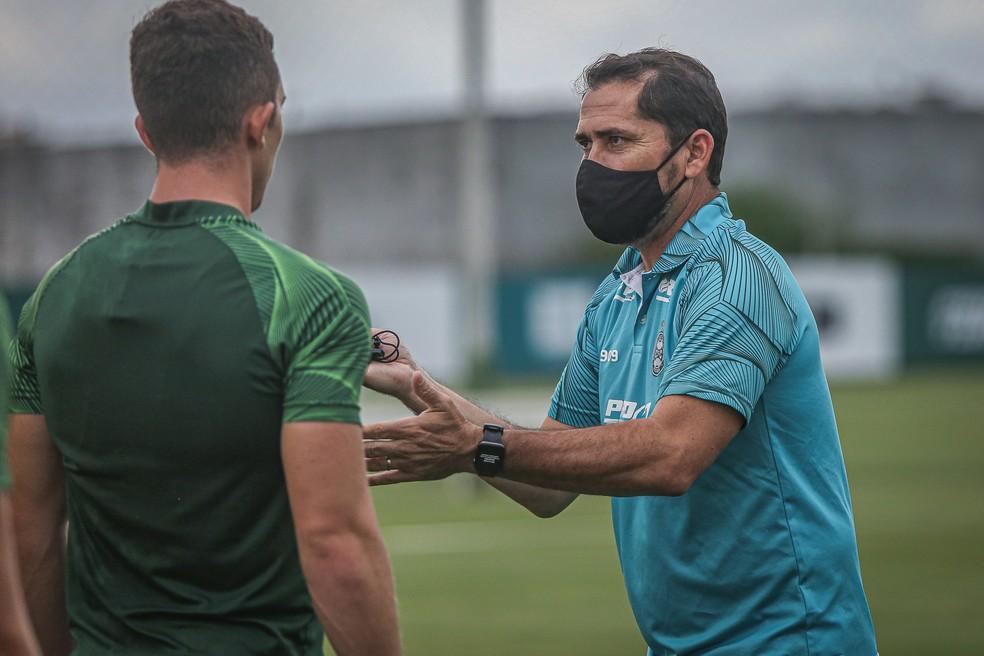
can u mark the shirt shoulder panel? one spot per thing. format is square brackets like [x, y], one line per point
[735, 323]
[733, 266]
[316, 322]
[25, 394]
[605, 289]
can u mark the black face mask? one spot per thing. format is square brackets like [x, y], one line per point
[622, 207]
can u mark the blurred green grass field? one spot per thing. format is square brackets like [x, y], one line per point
[476, 574]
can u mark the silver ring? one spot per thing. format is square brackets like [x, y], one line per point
[389, 463]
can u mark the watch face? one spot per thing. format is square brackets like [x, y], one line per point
[488, 458]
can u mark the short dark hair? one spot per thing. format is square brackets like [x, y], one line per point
[679, 92]
[196, 67]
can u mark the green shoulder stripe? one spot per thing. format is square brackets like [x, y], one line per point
[315, 320]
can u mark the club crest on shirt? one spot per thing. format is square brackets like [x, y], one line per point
[658, 351]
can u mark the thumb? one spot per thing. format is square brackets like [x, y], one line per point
[428, 392]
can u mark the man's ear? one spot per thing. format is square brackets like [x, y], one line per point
[701, 147]
[256, 121]
[138, 123]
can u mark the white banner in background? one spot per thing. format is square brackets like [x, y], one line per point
[554, 311]
[857, 305]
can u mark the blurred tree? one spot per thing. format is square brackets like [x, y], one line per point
[775, 218]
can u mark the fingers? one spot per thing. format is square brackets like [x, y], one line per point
[428, 392]
[393, 476]
[379, 464]
[380, 449]
[399, 429]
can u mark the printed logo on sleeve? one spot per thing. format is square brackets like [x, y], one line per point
[617, 410]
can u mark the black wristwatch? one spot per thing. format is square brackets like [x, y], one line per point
[490, 455]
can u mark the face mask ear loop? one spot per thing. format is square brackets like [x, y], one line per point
[668, 158]
[677, 187]
[673, 152]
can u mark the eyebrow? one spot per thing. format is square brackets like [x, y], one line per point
[608, 132]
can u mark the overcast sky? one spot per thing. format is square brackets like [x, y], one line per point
[64, 69]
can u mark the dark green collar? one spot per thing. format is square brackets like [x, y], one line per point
[188, 212]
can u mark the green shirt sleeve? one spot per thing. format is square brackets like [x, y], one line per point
[316, 324]
[5, 341]
[327, 363]
[25, 393]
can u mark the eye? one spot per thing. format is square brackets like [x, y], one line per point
[616, 140]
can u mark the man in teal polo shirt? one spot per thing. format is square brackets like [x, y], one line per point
[694, 395]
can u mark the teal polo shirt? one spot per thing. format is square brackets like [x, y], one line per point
[759, 556]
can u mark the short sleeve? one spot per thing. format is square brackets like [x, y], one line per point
[327, 362]
[25, 393]
[575, 401]
[733, 335]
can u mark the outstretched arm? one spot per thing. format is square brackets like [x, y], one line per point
[395, 379]
[661, 455]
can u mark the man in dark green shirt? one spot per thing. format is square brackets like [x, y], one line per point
[187, 392]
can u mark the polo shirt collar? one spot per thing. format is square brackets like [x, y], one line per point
[682, 246]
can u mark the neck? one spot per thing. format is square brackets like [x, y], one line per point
[228, 183]
[702, 193]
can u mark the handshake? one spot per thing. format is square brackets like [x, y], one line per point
[437, 442]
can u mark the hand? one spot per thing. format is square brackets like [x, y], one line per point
[394, 378]
[437, 443]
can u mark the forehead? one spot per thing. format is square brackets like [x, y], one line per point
[614, 105]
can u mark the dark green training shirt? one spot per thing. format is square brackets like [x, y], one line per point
[164, 353]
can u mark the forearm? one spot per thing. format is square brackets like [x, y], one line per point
[539, 501]
[351, 586]
[38, 500]
[627, 459]
[41, 552]
[16, 635]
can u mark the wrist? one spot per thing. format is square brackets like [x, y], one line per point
[489, 458]
[414, 403]
[409, 398]
[465, 458]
